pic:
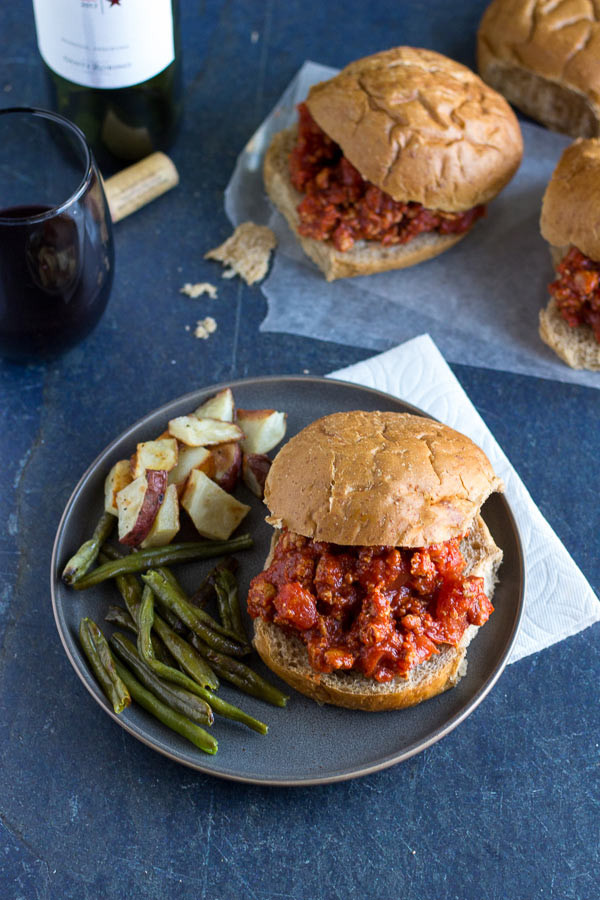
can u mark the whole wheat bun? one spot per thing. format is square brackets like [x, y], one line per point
[365, 257]
[571, 205]
[379, 478]
[421, 127]
[545, 58]
[571, 218]
[577, 347]
[373, 478]
[286, 655]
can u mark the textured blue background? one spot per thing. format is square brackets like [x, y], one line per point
[507, 805]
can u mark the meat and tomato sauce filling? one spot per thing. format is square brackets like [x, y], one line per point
[342, 207]
[577, 290]
[374, 610]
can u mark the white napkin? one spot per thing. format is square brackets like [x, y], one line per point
[559, 601]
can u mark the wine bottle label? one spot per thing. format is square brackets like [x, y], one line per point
[105, 43]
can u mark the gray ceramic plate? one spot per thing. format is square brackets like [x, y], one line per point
[307, 743]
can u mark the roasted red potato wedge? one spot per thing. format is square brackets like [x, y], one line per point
[191, 458]
[203, 432]
[221, 406]
[263, 429]
[214, 512]
[138, 506]
[166, 523]
[118, 478]
[255, 468]
[160, 454]
[228, 465]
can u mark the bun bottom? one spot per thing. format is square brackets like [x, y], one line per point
[287, 656]
[365, 257]
[555, 105]
[577, 347]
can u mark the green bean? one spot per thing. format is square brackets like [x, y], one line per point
[131, 592]
[188, 659]
[186, 656]
[227, 595]
[176, 602]
[173, 720]
[103, 665]
[174, 622]
[170, 578]
[206, 591]
[109, 552]
[196, 709]
[128, 618]
[223, 605]
[118, 616]
[227, 668]
[145, 621]
[86, 556]
[141, 560]
[197, 613]
[229, 711]
[241, 675]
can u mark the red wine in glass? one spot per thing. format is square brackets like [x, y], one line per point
[56, 258]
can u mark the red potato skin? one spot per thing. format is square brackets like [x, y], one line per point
[255, 468]
[154, 496]
[228, 465]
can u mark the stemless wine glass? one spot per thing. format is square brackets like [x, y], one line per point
[56, 247]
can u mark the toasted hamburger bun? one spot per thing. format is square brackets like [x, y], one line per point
[571, 218]
[571, 205]
[420, 127]
[379, 478]
[545, 58]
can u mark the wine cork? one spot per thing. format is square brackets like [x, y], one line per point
[137, 185]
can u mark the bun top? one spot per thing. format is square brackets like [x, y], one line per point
[421, 127]
[378, 478]
[558, 41]
[571, 205]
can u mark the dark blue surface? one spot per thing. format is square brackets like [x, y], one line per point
[504, 807]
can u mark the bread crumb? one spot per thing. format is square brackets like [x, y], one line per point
[201, 287]
[205, 327]
[246, 253]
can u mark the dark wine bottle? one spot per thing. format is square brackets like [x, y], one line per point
[114, 68]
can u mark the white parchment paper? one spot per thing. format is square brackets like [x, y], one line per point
[479, 301]
[559, 602]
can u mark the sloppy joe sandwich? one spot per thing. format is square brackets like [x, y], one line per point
[392, 161]
[382, 569]
[544, 57]
[570, 222]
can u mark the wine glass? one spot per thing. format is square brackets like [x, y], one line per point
[56, 246]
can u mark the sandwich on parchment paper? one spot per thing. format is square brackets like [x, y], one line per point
[392, 161]
[382, 569]
[570, 222]
[544, 56]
